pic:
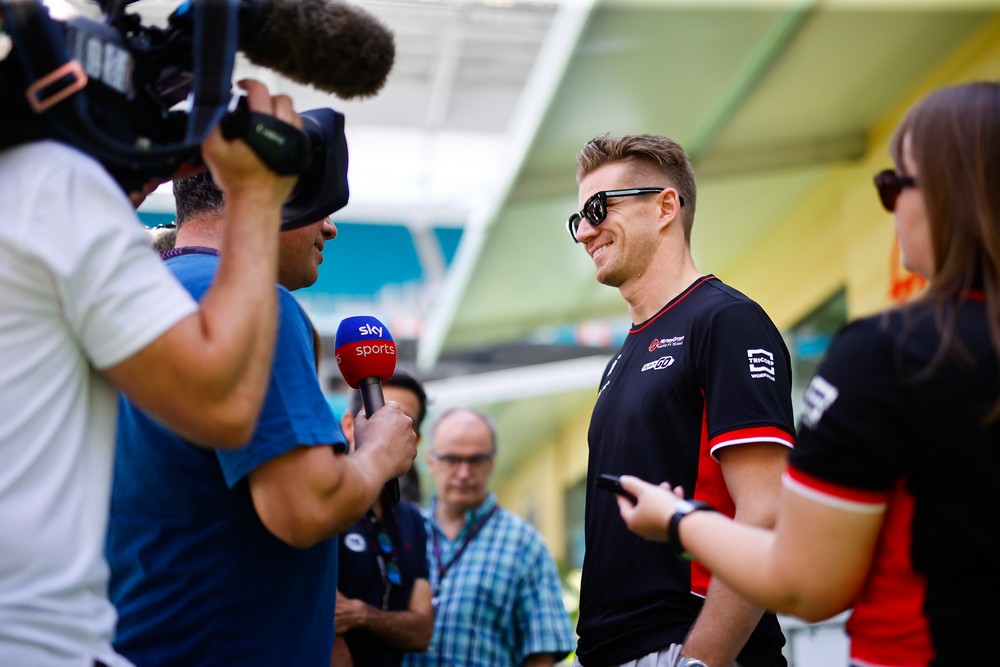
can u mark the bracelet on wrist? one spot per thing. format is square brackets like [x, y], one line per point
[681, 509]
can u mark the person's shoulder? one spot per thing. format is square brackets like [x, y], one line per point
[288, 300]
[49, 149]
[290, 311]
[513, 523]
[195, 271]
[878, 333]
[58, 165]
[721, 303]
[409, 511]
[724, 295]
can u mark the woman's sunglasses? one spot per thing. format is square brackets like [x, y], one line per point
[595, 209]
[890, 184]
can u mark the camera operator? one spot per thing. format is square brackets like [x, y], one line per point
[87, 309]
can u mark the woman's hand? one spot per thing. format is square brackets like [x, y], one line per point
[654, 506]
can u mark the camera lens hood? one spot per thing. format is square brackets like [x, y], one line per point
[322, 188]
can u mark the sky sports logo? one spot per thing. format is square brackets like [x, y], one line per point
[364, 349]
[761, 364]
[381, 348]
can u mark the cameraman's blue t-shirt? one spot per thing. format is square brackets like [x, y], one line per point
[196, 577]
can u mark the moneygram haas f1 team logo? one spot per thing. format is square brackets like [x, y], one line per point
[761, 364]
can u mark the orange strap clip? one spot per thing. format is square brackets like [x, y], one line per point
[56, 86]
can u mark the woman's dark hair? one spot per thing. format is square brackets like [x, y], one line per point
[954, 136]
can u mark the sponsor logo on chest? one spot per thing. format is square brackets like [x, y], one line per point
[659, 364]
[660, 343]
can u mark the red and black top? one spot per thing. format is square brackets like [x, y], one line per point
[890, 427]
[708, 371]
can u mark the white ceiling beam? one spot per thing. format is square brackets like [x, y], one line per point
[443, 82]
[553, 58]
[428, 254]
[759, 62]
[517, 384]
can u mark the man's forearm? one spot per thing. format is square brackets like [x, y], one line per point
[403, 630]
[752, 474]
[722, 628]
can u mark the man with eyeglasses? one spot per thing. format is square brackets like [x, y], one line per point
[383, 592]
[497, 596]
[698, 395]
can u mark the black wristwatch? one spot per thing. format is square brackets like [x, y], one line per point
[681, 509]
[684, 661]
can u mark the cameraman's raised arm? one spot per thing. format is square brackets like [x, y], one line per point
[206, 376]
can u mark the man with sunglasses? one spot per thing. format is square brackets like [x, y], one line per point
[497, 597]
[698, 395]
[383, 593]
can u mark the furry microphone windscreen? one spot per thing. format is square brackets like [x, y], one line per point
[334, 46]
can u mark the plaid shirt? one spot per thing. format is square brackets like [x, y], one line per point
[500, 600]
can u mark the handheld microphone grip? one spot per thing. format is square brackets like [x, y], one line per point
[373, 399]
[371, 394]
[366, 355]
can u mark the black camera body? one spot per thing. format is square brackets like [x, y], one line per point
[141, 99]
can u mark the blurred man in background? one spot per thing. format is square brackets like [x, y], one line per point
[497, 595]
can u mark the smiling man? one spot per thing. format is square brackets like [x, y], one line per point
[698, 395]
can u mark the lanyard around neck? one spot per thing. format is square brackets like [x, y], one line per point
[443, 568]
[373, 526]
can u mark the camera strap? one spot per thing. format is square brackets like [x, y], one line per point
[34, 35]
[216, 31]
[282, 147]
[40, 47]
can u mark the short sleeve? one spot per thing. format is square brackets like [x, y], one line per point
[295, 412]
[116, 294]
[853, 424]
[745, 371]
[541, 618]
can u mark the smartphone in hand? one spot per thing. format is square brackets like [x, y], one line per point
[611, 483]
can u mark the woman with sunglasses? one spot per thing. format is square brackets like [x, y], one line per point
[889, 503]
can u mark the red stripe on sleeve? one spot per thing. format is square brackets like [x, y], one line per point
[746, 435]
[836, 490]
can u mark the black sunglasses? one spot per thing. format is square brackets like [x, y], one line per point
[890, 184]
[595, 209]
